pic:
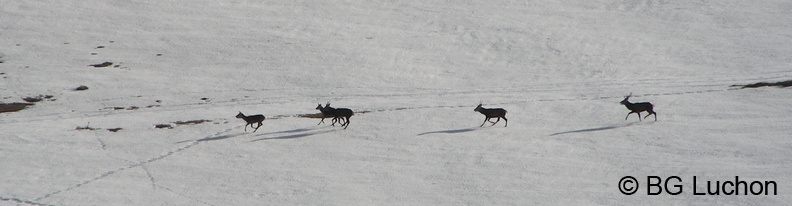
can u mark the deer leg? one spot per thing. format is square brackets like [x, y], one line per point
[246, 126]
[639, 116]
[485, 121]
[507, 121]
[346, 123]
[496, 121]
[652, 113]
[628, 115]
[321, 121]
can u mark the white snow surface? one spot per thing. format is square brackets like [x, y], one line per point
[413, 71]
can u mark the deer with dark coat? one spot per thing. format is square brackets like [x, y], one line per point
[251, 119]
[639, 107]
[341, 114]
[327, 112]
[492, 113]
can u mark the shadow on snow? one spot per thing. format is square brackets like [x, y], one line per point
[292, 134]
[453, 131]
[221, 137]
[594, 129]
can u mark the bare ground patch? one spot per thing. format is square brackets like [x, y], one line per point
[13, 107]
[39, 98]
[200, 121]
[781, 84]
[180, 123]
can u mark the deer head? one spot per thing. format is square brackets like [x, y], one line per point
[626, 99]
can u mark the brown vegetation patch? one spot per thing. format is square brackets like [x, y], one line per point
[104, 64]
[87, 127]
[13, 107]
[123, 108]
[39, 98]
[163, 126]
[781, 84]
[81, 88]
[200, 121]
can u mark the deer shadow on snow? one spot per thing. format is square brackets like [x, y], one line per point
[293, 134]
[455, 131]
[595, 129]
[212, 138]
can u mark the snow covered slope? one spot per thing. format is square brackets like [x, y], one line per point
[413, 72]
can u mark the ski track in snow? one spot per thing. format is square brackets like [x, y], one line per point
[20, 201]
[151, 179]
[142, 165]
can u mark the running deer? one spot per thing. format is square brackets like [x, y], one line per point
[637, 108]
[341, 114]
[327, 112]
[251, 119]
[492, 113]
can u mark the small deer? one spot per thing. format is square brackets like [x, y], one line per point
[341, 114]
[327, 112]
[492, 113]
[252, 119]
[637, 108]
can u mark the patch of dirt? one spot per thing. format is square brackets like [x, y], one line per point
[87, 127]
[122, 108]
[200, 121]
[13, 107]
[781, 84]
[105, 64]
[180, 123]
[39, 98]
[163, 126]
[81, 88]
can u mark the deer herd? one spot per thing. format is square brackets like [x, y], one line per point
[342, 115]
